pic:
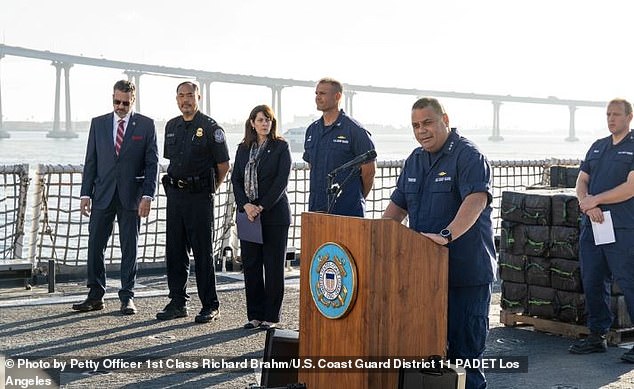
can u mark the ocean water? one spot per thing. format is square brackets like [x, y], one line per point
[33, 147]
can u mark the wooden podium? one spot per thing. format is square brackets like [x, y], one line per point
[401, 300]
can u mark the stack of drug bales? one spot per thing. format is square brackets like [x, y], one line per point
[539, 257]
[539, 251]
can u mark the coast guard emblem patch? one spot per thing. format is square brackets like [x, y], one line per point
[333, 280]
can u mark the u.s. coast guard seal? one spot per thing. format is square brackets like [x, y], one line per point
[333, 280]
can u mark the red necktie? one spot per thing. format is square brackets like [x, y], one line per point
[119, 141]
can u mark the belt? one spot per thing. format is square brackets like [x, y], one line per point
[192, 183]
[178, 183]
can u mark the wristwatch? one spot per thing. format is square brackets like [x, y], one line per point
[446, 233]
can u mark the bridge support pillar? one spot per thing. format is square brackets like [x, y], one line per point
[57, 132]
[3, 133]
[347, 101]
[276, 105]
[135, 77]
[205, 95]
[571, 130]
[495, 134]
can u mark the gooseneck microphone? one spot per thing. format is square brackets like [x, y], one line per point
[356, 161]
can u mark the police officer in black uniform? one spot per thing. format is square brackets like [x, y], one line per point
[199, 160]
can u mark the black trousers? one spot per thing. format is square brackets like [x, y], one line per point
[264, 273]
[99, 232]
[190, 224]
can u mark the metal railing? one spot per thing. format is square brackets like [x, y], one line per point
[14, 185]
[59, 231]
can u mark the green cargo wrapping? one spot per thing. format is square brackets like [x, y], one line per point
[563, 176]
[565, 274]
[539, 258]
[538, 271]
[514, 297]
[564, 242]
[565, 210]
[571, 307]
[513, 267]
[521, 239]
[541, 302]
[525, 208]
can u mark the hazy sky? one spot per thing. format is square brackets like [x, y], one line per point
[569, 49]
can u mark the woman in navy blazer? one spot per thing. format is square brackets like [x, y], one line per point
[260, 177]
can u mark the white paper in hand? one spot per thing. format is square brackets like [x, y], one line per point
[604, 232]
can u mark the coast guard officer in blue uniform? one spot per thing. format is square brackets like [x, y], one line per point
[199, 160]
[606, 183]
[330, 142]
[445, 189]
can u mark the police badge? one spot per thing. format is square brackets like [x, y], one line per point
[199, 132]
[333, 280]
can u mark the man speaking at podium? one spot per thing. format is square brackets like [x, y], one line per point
[445, 189]
[331, 142]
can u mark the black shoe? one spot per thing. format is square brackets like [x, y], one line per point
[172, 311]
[206, 315]
[628, 356]
[128, 307]
[594, 343]
[89, 305]
[267, 325]
[252, 324]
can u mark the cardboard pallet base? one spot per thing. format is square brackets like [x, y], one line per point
[615, 336]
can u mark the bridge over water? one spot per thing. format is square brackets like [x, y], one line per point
[134, 71]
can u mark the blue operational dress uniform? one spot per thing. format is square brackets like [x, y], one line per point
[326, 148]
[194, 148]
[608, 166]
[431, 188]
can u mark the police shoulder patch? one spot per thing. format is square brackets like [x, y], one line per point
[219, 135]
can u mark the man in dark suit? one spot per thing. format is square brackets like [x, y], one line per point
[119, 178]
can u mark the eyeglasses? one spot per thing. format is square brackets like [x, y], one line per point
[124, 103]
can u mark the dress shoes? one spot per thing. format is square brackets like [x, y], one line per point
[89, 305]
[594, 343]
[266, 325]
[206, 315]
[252, 324]
[128, 307]
[172, 311]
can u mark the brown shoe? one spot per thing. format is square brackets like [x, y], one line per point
[128, 307]
[89, 305]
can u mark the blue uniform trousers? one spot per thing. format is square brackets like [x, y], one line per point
[599, 266]
[468, 327]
